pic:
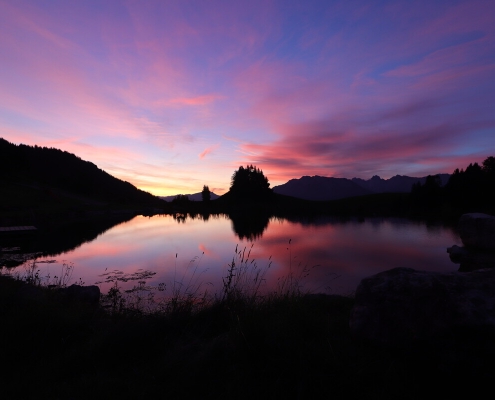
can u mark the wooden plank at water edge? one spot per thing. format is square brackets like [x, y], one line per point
[18, 229]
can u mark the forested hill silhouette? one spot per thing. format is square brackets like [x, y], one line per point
[324, 188]
[50, 168]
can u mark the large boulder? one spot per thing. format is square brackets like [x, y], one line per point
[402, 306]
[477, 231]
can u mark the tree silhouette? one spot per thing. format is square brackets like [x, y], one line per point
[489, 166]
[205, 194]
[249, 182]
[489, 180]
[433, 185]
[429, 194]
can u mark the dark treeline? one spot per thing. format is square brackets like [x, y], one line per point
[54, 173]
[469, 190]
[49, 168]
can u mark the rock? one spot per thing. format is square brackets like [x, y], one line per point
[402, 306]
[477, 231]
[457, 254]
[471, 260]
[86, 294]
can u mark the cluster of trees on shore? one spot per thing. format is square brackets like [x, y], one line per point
[472, 189]
[249, 183]
[468, 190]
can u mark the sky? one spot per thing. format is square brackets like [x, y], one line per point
[174, 95]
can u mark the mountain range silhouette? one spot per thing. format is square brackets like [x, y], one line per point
[322, 188]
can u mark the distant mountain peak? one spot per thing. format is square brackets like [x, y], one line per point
[329, 188]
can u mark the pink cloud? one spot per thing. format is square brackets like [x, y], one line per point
[462, 17]
[208, 151]
[321, 148]
[377, 122]
[196, 101]
[333, 89]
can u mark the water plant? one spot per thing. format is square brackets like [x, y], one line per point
[244, 277]
[32, 275]
[244, 284]
[187, 291]
[291, 285]
[64, 278]
[138, 299]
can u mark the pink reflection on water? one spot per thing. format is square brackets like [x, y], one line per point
[339, 255]
[334, 255]
[209, 252]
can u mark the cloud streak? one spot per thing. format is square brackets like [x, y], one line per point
[209, 150]
[328, 88]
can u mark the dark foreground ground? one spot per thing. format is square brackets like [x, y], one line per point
[288, 346]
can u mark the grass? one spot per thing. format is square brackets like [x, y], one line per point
[242, 343]
[31, 275]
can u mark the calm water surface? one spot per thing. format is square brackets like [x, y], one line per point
[337, 254]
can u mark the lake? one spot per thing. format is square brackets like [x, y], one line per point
[323, 255]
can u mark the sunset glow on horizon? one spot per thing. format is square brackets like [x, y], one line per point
[174, 95]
